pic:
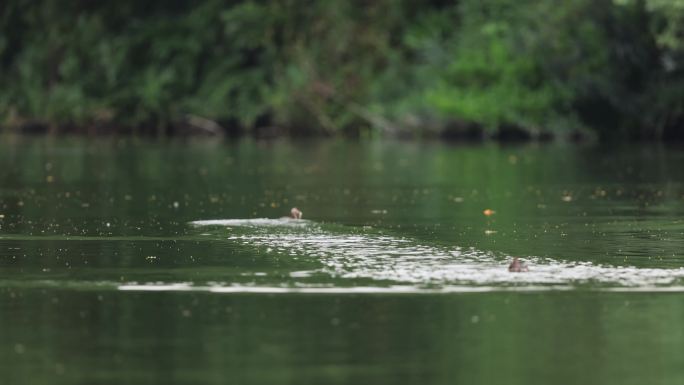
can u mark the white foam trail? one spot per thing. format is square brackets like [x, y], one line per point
[256, 222]
[240, 289]
[402, 261]
[399, 260]
[157, 287]
[237, 289]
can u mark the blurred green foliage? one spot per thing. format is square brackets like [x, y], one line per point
[395, 66]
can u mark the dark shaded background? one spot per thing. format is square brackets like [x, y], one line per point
[463, 69]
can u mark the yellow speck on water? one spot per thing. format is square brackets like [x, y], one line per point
[50, 179]
[490, 232]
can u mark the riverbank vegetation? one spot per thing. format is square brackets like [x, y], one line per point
[466, 69]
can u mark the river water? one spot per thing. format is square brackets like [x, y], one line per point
[127, 261]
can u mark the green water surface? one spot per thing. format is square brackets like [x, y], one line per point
[127, 261]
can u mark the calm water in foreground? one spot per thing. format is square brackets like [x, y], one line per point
[135, 262]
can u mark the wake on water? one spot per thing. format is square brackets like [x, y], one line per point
[367, 253]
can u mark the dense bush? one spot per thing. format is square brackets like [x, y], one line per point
[338, 66]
